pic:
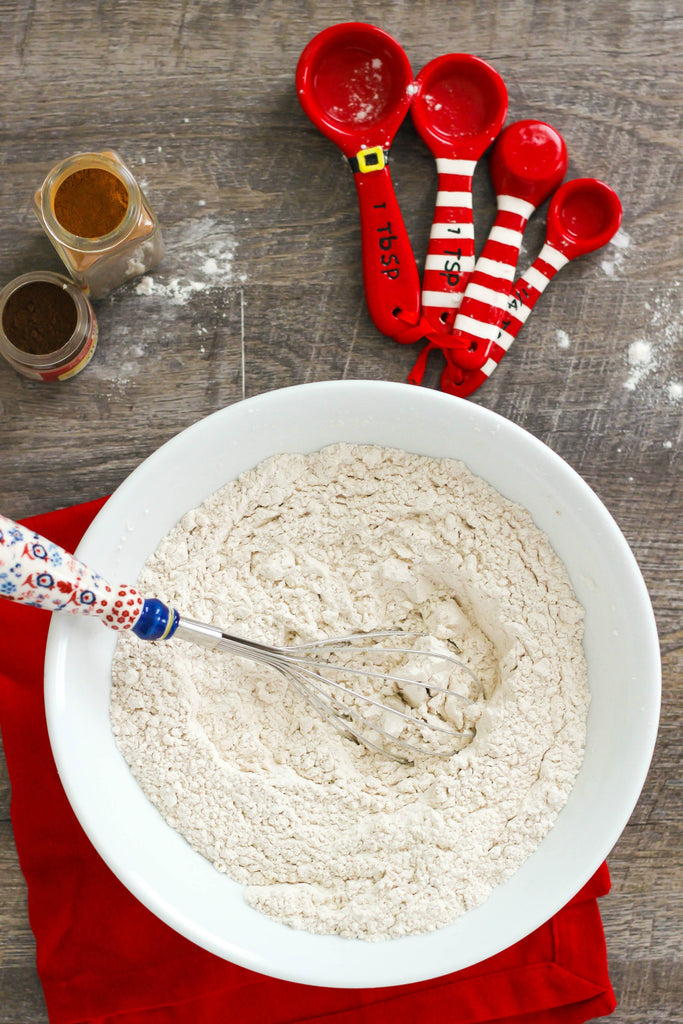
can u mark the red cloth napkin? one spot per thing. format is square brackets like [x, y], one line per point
[103, 958]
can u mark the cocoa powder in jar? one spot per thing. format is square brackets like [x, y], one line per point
[39, 317]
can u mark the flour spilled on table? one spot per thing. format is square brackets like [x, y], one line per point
[641, 360]
[199, 261]
[209, 252]
[654, 359]
[325, 835]
[618, 248]
[657, 348]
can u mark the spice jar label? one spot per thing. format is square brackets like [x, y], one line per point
[84, 358]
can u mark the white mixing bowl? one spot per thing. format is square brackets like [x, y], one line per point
[622, 651]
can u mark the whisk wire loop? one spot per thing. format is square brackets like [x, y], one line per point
[344, 713]
[314, 679]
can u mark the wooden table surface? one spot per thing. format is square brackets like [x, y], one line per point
[261, 288]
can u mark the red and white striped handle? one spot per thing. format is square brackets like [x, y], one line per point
[486, 296]
[524, 295]
[450, 253]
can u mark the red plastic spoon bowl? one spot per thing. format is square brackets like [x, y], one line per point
[459, 107]
[354, 82]
[528, 161]
[584, 214]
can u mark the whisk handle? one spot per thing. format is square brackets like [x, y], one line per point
[35, 571]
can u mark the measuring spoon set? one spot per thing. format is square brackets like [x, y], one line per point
[355, 83]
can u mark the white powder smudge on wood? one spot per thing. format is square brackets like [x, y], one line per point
[659, 348]
[619, 245]
[641, 360]
[323, 834]
[199, 258]
[562, 339]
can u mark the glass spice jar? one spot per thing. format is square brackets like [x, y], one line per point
[48, 330]
[99, 221]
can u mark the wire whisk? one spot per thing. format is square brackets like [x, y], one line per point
[402, 702]
[425, 705]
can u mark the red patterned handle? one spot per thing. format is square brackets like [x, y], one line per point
[390, 276]
[450, 254]
[528, 162]
[584, 215]
[36, 572]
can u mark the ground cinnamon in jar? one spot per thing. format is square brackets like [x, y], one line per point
[99, 221]
[91, 202]
[39, 317]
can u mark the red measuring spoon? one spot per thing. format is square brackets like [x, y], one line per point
[528, 162]
[354, 82]
[459, 106]
[584, 214]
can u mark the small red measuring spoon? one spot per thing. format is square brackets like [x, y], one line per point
[584, 214]
[354, 82]
[528, 162]
[459, 107]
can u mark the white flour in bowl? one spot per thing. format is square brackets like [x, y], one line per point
[323, 834]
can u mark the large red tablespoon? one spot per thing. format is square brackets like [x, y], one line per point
[355, 83]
